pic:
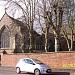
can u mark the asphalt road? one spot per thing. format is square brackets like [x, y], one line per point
[12, 71]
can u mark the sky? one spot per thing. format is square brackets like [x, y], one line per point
[2, 9]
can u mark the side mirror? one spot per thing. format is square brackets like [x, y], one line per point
[32, 63]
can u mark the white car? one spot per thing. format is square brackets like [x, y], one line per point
[32, 66]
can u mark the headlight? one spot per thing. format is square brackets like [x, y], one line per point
[43, 69]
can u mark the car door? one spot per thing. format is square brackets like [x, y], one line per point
[23, 65]
[30, 66]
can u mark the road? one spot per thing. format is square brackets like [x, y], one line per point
[12, 71]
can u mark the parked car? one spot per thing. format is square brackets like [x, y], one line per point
[32, 66]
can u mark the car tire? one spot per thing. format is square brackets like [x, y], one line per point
[18, 70]
[36, 72]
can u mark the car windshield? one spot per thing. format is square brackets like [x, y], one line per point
[37, 61]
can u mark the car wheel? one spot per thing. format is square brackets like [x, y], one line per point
[18, 70]
[37, 72]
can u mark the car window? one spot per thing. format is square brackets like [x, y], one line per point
[28, 61]
[37, 61]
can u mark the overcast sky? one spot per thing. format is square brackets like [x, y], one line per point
[2, 9]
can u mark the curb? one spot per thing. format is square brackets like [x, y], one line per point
[7, 68]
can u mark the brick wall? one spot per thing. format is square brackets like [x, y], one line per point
[55, 60]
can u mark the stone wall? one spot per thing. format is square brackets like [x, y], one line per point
[54, 60]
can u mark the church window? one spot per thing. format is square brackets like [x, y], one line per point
[5, 38]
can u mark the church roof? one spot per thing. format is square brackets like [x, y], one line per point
[8, 20]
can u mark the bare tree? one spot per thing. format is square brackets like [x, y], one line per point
[66, 37]
[50, 11]
[52, 14]
[69, 6]
[27, 9]
[43, 10]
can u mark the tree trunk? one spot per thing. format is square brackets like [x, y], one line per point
[31, 38]
[71, 39]
[46, 39]
[68, 44]
[66, 37]
[57, 42]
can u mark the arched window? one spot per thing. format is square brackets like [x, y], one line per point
[5, 38]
